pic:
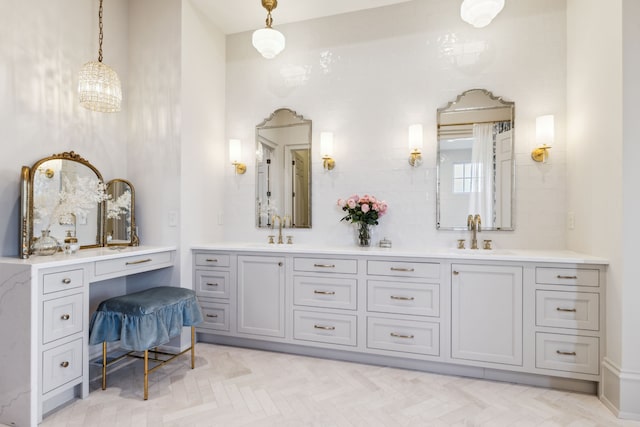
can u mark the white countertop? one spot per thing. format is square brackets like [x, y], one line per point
[521, 255]
[87, 255]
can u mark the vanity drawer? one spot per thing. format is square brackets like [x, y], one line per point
[324, 327]
[212, 260]
[133, 264]
[56, 282]
[326, 265]
[61, 317]
[325, 292]
[61, 365]
[420, 299]
[213, 284]
[215, 316]
[426, 270]
[404, 336]
[568, 276]
[568, 353]
[575, 310]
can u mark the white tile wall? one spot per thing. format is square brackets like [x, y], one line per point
[366, 76]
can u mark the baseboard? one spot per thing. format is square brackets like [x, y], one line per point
[620, 390]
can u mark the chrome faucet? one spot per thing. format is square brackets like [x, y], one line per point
[273, 223]
[475, 225]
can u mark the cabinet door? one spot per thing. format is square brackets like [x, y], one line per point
[261, 295]
[486, 313]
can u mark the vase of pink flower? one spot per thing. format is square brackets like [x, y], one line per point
[364, 213]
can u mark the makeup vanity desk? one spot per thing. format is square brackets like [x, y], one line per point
[44, 324]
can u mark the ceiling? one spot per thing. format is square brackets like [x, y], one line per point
[235, 16]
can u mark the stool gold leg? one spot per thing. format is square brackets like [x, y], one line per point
[146, 374]
[104, 365]
[193, 347]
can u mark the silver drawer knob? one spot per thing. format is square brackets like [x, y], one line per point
[64, 364]
[65, 317]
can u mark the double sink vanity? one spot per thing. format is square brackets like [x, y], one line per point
[535, 317]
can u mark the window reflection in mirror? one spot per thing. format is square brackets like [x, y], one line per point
[475, 162]
[283, 169]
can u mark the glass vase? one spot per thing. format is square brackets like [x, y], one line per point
[364, 234]
[45, 244]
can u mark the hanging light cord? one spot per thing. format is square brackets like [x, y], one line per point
[100, 36]
[269, 18]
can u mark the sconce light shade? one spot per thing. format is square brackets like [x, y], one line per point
[235, 155]
[268, 42]
[98, 84]
[545, 135]
[415, 145]
[480, 13]
[326, 150]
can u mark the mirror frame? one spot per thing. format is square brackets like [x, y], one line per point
[133, 241]
[26, 207]
[300, 121]
[462, 107]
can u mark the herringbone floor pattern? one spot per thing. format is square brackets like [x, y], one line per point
[235, 387]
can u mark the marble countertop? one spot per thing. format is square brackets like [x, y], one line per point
[521, 255]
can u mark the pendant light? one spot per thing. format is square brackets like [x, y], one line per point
[480, 13]
[267, 41]
[98, 84]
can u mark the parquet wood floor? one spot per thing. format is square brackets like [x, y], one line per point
[233, 387]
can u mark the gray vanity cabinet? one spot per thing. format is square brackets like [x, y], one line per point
[261, 295]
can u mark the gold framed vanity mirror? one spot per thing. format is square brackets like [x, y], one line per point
[283, 169]
[62, 193]
[475, 162]
[120, 218]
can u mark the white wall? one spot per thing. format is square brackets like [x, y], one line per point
[367, 76]
[43, 45]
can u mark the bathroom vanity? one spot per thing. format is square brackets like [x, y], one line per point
[535, 317]
[44, 324]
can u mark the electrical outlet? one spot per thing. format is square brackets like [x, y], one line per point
[571, 220]
[173, 218]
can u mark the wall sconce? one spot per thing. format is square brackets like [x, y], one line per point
[235, 154]
[326, 150]
[480, 13]
[415, 145]
[544, 137]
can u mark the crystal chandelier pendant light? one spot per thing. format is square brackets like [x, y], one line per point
[267, 41]
[480, 13]
[98, 84]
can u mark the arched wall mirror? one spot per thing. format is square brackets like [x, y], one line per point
[475, 164]
[283, 169]
[65, 194]
[120, 225]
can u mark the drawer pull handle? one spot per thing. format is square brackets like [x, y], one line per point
[571, 310]
[455, 273]
[402, 298]
[396, 335]
[140, 261]
[66, 280]
[566, 353]
[325, 265]
[406, 270]
[560, 276]
[212, 284]
[324, 292]
[212, 315]
[64, 364]
[211, 260]
[65, 317]
[325, 328]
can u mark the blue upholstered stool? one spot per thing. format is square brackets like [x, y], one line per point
[145, 320]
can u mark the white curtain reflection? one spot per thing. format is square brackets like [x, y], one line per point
[481, 200]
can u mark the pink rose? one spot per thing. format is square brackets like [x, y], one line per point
[342, 203]
[355, 198]
[375, 207]
[351, 203]
[365, 208]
